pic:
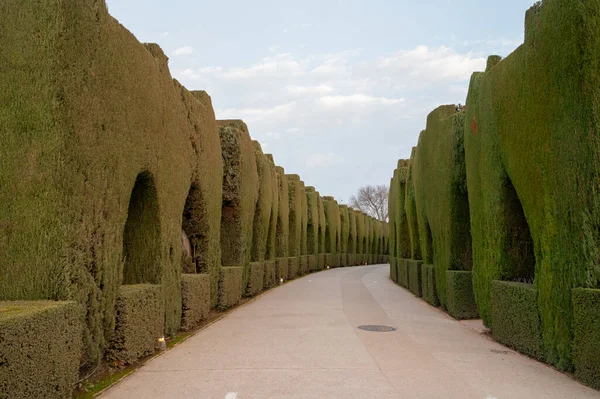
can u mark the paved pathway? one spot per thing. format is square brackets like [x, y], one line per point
[300, 341]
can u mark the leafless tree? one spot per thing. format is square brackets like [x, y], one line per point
[372, 200]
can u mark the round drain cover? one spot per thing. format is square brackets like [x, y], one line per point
[377, 328]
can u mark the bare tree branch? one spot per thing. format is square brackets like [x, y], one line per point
[372, 200]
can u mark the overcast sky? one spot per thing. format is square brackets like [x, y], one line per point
[336, 90]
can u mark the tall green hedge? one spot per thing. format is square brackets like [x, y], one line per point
[283, 222]
[272, 234]
[84, 110]
[263, 212]
[442, 204]
[240, 195]
[333, 226]
[539, 106]
[410, 207]
[295, 195]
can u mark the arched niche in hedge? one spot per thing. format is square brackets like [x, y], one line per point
[194, 226]
[142, 235]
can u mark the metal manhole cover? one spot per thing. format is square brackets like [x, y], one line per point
[377, 328]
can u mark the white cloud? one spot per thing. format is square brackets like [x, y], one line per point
[285, 30]
[165, 34]
[279, 64]
[293, 130]
[432, 64]
[321, 160]
[187, 50]
[357, 99]
[272, 114]
[320, 89]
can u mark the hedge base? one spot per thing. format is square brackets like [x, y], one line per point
[516, 318]
[402, 267]
[256, 279]
[195, 298]
[459, 293]
[329, 260]
[270, 275]
[428, 288]
[414, 276]
[140, 322]
[282, 266]
[322, 260]
[343, 259]
[586, 342]
[40, 348]
[293, 267]
[303, 267]
[312, 263]
[394, 270]
[230, 287]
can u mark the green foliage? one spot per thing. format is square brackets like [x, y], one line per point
[312, 228]
[282, 266]
[295, 195]
[40, 348]
[140, 322]
[410, 207]
[283, 222]
[394, 270]
[414, 276]
[442, 205]
[586, 332]
[240, 195]
[333, 225]
[459, 293]
[141, 238]
[270, 276]
[230, 287]
[267, 179]
[403, 272]
[516, 318]
[84, 109]
[256, 280]
[540, 106]
[195, 295]
[429, 291]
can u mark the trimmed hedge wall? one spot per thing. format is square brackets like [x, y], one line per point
[195, 295]
[516, 318]
[428, 282]
[403, 272]
[263, 213]
[459, 291]
[442, 204]
[270, 276]
[293, 267]
[40, 348]
[282, 266]
[139, 324]
[414, 276]
[394, 270]
[256, 279]
[539, 106]
[322, 261]
[230, 286]
[586, 342]
[240, 195]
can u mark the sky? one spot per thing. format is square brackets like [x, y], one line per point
[336, 90]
